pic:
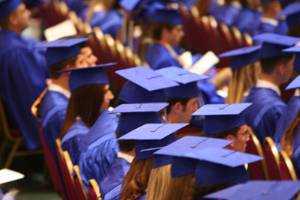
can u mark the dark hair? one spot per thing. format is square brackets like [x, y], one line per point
[158, 29]
[85, 102]
[232, 131]
[268, 64]
[173, 100]
[54, 70]
[125, 145]
[4, 22]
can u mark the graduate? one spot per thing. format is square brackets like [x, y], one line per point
[53, 106]
[228, 12]
[132, 116]
[147, 139]
[276, 69]
[90, 97]
[23, 69]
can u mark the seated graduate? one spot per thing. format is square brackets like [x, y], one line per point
[228, 12]
[276, 69]
[269, 22]
[248, 18]
[23, 70]
[291, 14]
[132, 116]
[90, 97]
[53, 104]
[147, 139]
[260, 190]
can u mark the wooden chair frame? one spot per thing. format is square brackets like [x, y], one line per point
[289, 164]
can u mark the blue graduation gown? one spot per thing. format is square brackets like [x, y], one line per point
[263, 27]
[112, 183]
[71, 142]
[265, 112]
[296, 152]
[227, 14]
[287, 117]
[109, 22]
[100, 148]
[247, 21]
[79, 6]
[23, 73]
[52, 111]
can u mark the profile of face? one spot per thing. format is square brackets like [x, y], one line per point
[240, 139]
[86, 58]
[20, 18]
[108, 96]
[174, 35]
[183, 113]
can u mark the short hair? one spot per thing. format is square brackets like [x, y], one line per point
[268, 65]
[125, 146]
[55, 69]
[158, 29]
[4, 21]
[224, 134]
[173, 100]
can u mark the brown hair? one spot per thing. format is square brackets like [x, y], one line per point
[159, 182]
[287, 140]
[232, 131]
[136, 180]
[55, 70]
[173, 100]
[85, 102]
[181, 187]
[158, 30]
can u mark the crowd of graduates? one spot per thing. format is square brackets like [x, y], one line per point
[168, 133]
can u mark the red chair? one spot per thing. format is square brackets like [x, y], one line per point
[79, 188]
[94, 191]
[272, 159]
[287, 170]
[257, 170]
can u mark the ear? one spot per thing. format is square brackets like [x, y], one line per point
[177, 107]
[229, 137]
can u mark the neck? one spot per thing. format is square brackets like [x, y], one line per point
[270, 78]
[62, 81]
[172, 118]
[269, 15]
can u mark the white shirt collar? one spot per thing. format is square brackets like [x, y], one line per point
[297, 92]
[57, 88]
[271, 21]
[267, 84]
[125, 156]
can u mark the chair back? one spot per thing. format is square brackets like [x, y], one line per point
[287, 170]
[272, 159]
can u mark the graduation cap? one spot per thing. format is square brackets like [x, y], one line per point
[292, 14]
[273, 44]
[151, 136]
[296, 50]
[130, 5]
[167, 16]
[187, 82]
[262, 190]
[145, 85]
[136, 115]
[221, 117]
[62, 49]
[294, 84]
[177, 150]
[8, 6]
[88, 75]
[242, 56]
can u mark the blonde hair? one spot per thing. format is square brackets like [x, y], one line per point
[182, 187]
[159, 182]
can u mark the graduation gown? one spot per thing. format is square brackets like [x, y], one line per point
[100, 148]
[287, 117]
[109, 22]
[52, 111]
[264, 113]
[265, 27]
[23, 73]
[247, 21]
[296, 151]
[227, 14]
[71, 142]
[112, 183]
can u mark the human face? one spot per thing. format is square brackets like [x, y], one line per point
[108, 96]
[175, 35]
[239, 141]
[186, 111]
[86, 58]
[20, 17]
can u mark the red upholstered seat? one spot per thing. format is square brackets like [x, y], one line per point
[94, 191]
[272, 159]
[287, 170]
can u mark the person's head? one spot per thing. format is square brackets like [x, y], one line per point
[271, 8]
[181, 187]
[14, 15]
[136, 180]
[180, 110]
[168, 33]
[126, 146]
[279, 68]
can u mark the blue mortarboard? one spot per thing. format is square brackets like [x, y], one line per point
[187, 82]
[262, 190]
[242, 56]
[294, 84]
[129, 5]
[8, 6]
[145, 85]
[296, 50]
[273, 44]
[88, 75]
[179, 148]
[62, 49]
[221, 117]
[136, 115]
[291, 14]
[152, 136]
[167, 16]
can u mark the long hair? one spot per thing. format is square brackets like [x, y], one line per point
[159, 182]
[136, 180]
[85, 102]
[287, 140]
[182, 187]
